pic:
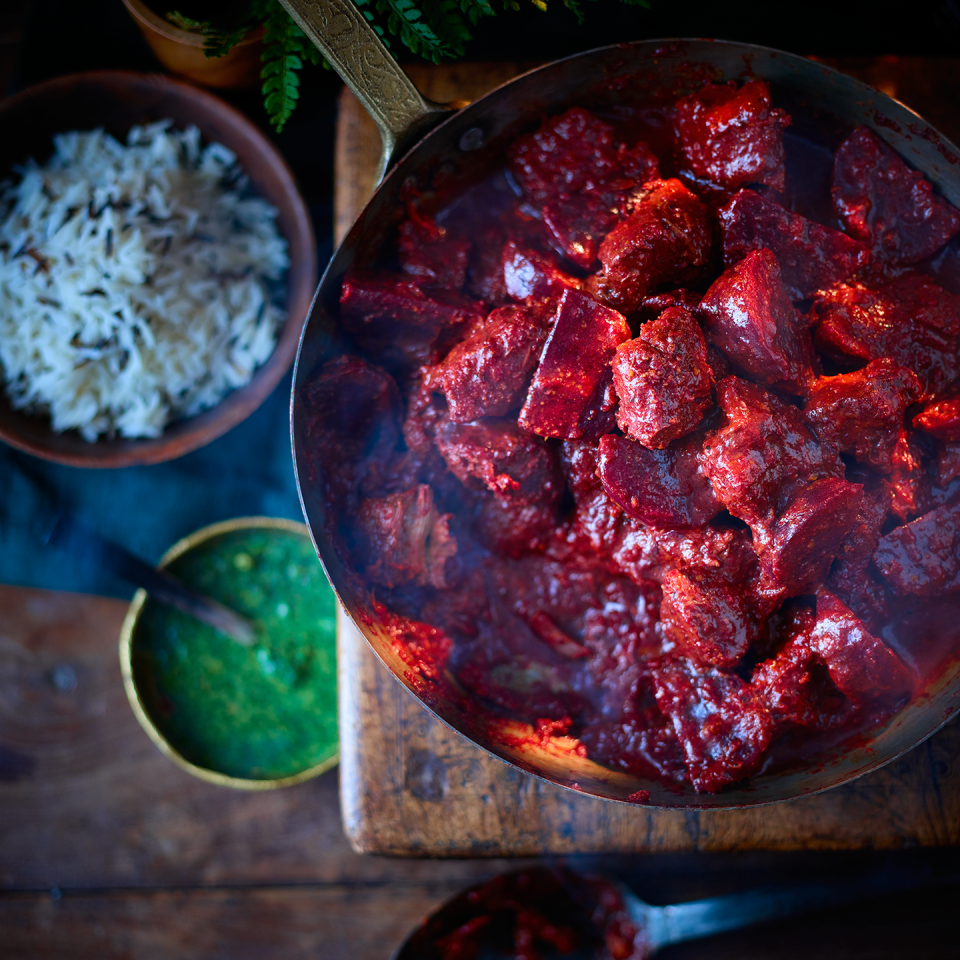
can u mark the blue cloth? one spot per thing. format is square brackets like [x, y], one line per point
[247, 472]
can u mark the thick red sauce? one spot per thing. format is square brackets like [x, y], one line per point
[653, 439]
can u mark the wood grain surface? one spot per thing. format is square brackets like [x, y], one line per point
[413, 787]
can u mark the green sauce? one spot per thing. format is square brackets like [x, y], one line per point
[261, 712]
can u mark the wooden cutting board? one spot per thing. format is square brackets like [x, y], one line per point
[410, 786]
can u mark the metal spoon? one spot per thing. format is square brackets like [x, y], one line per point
[655, 927]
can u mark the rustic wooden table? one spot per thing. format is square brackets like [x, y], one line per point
[107, 850]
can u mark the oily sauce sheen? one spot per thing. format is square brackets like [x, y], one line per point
[652, 439]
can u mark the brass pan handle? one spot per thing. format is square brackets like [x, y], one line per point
[351, 46]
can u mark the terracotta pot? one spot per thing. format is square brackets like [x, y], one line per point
[181, 52]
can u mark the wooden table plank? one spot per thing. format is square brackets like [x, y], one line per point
[413, 787]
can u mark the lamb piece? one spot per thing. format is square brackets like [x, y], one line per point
[922, 558]
[515, 528]
[528, 274]
[911, 320]
[663, 379]
[863, 667]
[643, 746]
[851, 577]
[808, 535]
[352, 411]
[651, 307]
[795, 686]
[722, 725]
[948, 463]
[762, 455]
[861, 413]
[732, 136]
[748, 317]
[668, 238]
[665, 489]
[942, 419]
[579, 223]
[396, 320]
[487, 374]
[404, 539]
[810, 255]
[910, 480]
[573, 153]
[707, 617]
[888, 206]
[495, 454]
[428, 254]
[571, 394]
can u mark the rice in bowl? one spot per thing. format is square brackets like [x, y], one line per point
[139, 284]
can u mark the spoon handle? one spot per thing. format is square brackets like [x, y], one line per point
[701, 918]
[351, 46]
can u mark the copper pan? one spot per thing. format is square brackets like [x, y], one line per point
[459, 146]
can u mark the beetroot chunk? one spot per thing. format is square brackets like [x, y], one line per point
[663, 488]
[808, 535]
[863, 667]
[528, 274]
[723, 727]
[750, 319]
[571, 395]
[923, 558]
[393, 317]
[486, 374]
[910, 320]
[810, 255]
[762, 454]
[663, 379]
[405, 539]
[707, 617]
[886, 204]
[731, 136]
[861, 413]
[667, 238]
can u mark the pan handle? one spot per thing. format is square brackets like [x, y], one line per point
[351, 46]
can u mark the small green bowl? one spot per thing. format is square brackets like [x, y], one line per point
[256, 717]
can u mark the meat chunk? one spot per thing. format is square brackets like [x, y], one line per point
[861, 413]
[404, 539]
[749, 318]
[665, 489]
[811, 256]
[573, 153]
[428, 254]
[663, 379]
[528, 274]
[922, 558]
[762, 454]
[487, 373]
[942, 419]
[722, 726]
[887, 205]
[668, 238]
[495, 454]
[571, 395]
[732, 136]
[707, 617]
[911, 320]
[808, 534]
[403, 325]
[863, 667]
[910, 480]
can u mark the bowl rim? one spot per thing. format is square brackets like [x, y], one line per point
[130, 620]
[185, 435]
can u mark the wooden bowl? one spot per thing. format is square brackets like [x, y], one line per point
[117, 100]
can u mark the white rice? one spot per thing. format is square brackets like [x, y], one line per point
[135, 281]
